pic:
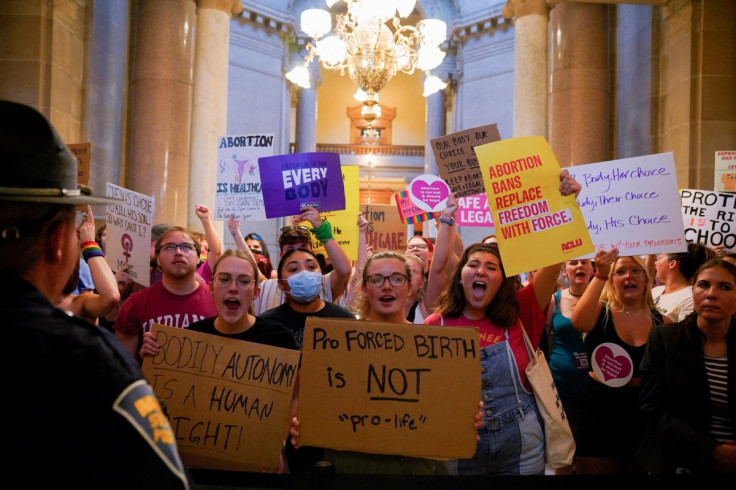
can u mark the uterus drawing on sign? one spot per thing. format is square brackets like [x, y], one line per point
[234, 170]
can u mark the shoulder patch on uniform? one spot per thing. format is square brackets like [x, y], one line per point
[139, 405]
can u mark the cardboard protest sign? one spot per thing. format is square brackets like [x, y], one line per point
[535, 225]
[429, 192]
[456, 159]
[409, 212]
[83, 153]
[725, 168]
[709, 217]
[386, 230]
[388, 388]
[238, 179]
[129, 233]
[344, 222]
[474, 211]
[632, 204]
[291, 182]
[228, 400]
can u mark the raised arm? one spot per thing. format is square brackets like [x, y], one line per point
[213, 238]
[107, 295]
[589, 307]
[444, 258]
[545, 279]
[322, 230]
[234, 227]
[356, 276]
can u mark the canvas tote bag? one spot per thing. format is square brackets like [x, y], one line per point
[559, 442]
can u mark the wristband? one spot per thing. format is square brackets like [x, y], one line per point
[600, 276]
[324, 232]
[91, 249]
[447, 221]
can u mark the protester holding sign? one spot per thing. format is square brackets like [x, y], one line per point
[674, 271]
[234, 285]
[479, 294]
[105, 297]
[297, 236]
[688, 380]
[616, 314]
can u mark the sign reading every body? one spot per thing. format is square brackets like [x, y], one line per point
[291, 182]
[228, 400]
[389, 388]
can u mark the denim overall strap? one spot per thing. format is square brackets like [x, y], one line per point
[514, 371]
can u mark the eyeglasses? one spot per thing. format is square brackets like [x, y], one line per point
[634, 272]
[184, 247]
[298, 229]
[244, 282]
[378, 280]
[418, 246]
[255, 236]
[79, 218]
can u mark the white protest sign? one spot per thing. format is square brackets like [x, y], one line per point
[129, 232]
[710, 217]
[725, 171]
[632, 204]
[238, 179]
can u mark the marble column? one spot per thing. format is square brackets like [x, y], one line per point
[530, 65]
[306, 123]
[209, 101]
[579, 83]
[161, 105]
[435, 127]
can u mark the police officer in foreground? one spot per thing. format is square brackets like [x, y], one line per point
[78, 412]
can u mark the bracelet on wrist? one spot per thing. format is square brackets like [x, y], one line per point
[447, 221]
[91, 250]
[600, 276]
[323, 232]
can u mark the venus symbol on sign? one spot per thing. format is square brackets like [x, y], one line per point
[127, 244]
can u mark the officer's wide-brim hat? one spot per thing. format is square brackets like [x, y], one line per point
[37, 165]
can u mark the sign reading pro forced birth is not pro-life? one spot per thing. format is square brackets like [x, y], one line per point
[389, 388]
[536, 226]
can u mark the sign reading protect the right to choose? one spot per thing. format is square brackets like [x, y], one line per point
[389, 388]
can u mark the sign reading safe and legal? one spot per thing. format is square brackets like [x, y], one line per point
[228, 400]
[388, 388]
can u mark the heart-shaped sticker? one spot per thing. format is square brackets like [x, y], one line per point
[612, 364]
[429, 192]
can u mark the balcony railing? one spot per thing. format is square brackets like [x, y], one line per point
[389, 150]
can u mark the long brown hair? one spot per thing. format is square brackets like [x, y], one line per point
[503, 310]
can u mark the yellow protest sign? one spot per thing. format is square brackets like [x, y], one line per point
[389, 388]
[535, 225]
[228, 400]
[344, 222]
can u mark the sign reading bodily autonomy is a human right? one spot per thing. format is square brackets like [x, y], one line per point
[535, 225]
[291, 182]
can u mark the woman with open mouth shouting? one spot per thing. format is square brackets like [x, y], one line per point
[479, 294]
[234, 286]
[615, 314]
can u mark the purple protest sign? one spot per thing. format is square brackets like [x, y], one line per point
[290, 182]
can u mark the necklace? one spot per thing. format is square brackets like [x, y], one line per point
[573, 294]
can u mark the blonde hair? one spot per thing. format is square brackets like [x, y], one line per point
[364, 308]
[609, 296]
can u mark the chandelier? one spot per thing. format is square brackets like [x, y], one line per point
[370, 51]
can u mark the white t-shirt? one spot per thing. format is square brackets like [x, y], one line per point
[675, 305]
[271, 296]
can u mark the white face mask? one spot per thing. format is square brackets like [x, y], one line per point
[305, 286]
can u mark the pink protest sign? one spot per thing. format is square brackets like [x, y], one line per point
[612, 364]
[429, 192]
[409, 212]
[474, 211]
